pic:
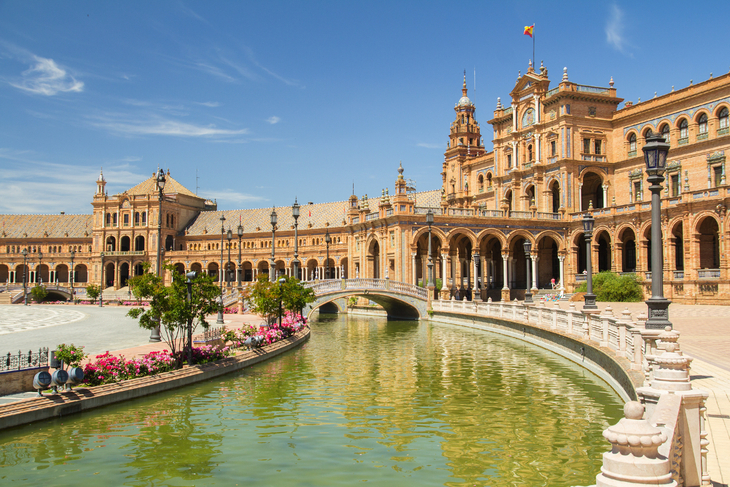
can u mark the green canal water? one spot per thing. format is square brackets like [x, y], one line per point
[365, 400]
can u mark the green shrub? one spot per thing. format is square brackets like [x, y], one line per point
[609, 286]
[93, 291]
[39, 293]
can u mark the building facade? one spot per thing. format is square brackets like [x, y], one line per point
[557, 153]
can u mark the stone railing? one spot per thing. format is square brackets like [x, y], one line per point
[113, 253]
[708, 273]
[338, 285]
[663, 439]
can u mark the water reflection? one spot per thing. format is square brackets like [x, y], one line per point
[364, 399]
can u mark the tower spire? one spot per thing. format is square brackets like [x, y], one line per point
[463, 87]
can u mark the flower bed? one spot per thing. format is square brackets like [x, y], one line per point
[108, 368]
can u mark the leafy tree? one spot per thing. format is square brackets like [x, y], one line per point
[39, 293]
[609, 286]
[265, 296]
[93, 291]
[169, 306]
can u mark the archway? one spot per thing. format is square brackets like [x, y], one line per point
[180, 268]
[61, 274]
[247, 271]
[311, 270]
[591, 191]
[604, 251]
[169, 243]
[123, 274]
[213, 270]
[124, 244]
[139, 243]
[422, 258]
[677, 242]
[555, 197]
[628, 243]
[81, 273]
[263, 267]
[111, 244]
[109, 276]
[493, 274]
[42, 275]
[709, 244]
[548, 264]
[138, 269]
[460, 260]
[343, 268]
[4, 273]
[373, 260]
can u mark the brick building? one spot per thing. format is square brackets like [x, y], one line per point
[557, 152]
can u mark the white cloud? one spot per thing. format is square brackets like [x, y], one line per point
[211, 104]
[429, 146]
[161, 126]
[45, 77]
[615, 29]
[273, 120]
[231, 196]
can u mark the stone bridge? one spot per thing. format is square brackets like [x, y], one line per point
[400, 300]
[55, 293]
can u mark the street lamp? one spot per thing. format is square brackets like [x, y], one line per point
[327, 241]
[240, 262]
[220, 321]
[73, 254]
[272, 267]
[590, 298]
[38, 278]
[160, 186]
[295, 214]
[189, 285]
[155, 333]
[655, 157]
[101, 292]
[429, 278]
[229, 236]
[282, 281]
[25, 271]
[528, 248]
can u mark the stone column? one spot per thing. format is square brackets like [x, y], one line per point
[534, 259]
[580, 197]
[413, 266]
[505, 288]
[561, 258]
[475, 281]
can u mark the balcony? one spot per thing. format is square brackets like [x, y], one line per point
[708, 274]
[124, 252]
[683, 141]
[542, 215]
[678, 275]
[520, 214]
[701, 136]
[490, 213]
[723, 131]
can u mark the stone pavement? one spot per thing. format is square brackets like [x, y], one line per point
[704, 336]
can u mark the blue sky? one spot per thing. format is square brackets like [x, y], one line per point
[272, 100]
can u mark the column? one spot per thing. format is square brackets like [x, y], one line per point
[580, 197]
[605, 196]
[534, 259]
[561, 258]
[413, 267]
[475, 286]
[505, 263]
[444, 280]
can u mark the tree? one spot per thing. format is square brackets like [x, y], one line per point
[266, 295]
[39, 293]
[93, 291]
[170, 308]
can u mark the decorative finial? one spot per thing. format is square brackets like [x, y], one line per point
[542, 66]
[655, 94]
[565, 73]
[519, 75]
[710, 75]
[672, 87]
[400, 170]
[499, 103]
[690, 81]
[610, 83]
[590, 205]
[529, 63]
[639, 100]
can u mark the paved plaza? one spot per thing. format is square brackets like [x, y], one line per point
[704, 336]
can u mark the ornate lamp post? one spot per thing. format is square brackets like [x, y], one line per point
[73, 294]
[101, 292]
[282, 281]
[220, 321]
[155, 334]
[160, 186]
[327, 241]
[528, 248]
[25, 277]
[272, 266]
[429, 282]
[655, 157]
[229, 236]
[240, 262]
[295, 214]
[590, 298]
[38, 278]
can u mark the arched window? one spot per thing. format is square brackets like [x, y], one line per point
[683, 129]
[489, 180]
[529, 153]
[481, 183]
[664, 130]
[702, 124]
[136, 218]
[723, 116]
[144, 218]
[114, 219]
[108, 219]
[632, 142]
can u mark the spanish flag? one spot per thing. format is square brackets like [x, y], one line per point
[528, 29]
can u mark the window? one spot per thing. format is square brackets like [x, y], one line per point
[674, 184]
[665, 132]
[723, 118]
[126, 219]
[553, 148]
[717, 172]
[683, 128]
[144, 218]
[567, 109]
[114, 219]
[509, 160]
[489, 180]
[632, 144]
[702, 124]
[108, 219]
[598, 146]
[637, 191]
[586, 146]
[136, 218]
[529, 153]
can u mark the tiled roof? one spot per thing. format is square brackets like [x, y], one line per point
[36, 226]
[316, 214]
[149, 186]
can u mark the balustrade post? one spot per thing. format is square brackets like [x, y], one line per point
[607, 313]
[571, 310]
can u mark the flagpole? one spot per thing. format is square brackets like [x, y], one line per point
[533, 46]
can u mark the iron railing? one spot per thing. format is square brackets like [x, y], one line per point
[23, 360]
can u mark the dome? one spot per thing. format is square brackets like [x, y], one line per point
[464, 101]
